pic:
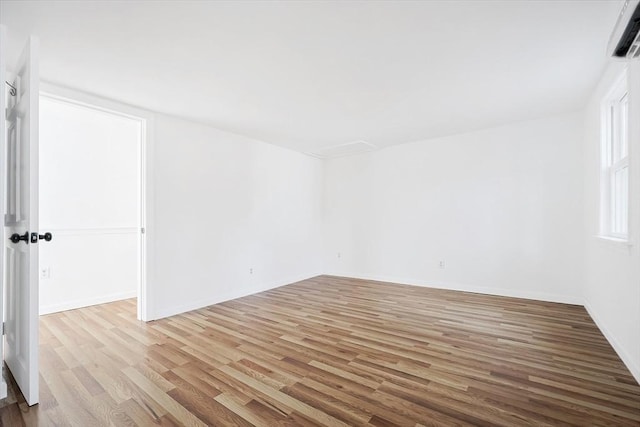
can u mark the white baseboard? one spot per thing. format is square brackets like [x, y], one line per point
[3, 388]
[514, 293]
[218, 298]
[54, 308]
[632, 365]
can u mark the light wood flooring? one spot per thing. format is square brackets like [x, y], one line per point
[332, 351]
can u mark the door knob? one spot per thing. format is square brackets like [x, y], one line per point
[46, 237]
[15, 237]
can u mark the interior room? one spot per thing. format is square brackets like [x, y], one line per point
[320, 213]
[90, 180]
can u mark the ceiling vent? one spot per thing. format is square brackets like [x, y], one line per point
[625, 39]
[341, 150]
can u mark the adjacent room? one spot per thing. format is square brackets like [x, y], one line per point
[353, 213]
[90, 182]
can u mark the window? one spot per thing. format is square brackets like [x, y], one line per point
[615, 162]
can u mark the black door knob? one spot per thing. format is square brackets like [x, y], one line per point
[46, 237]
[15, 237]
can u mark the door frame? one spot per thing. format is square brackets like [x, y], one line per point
[146, 309]
[3, 132]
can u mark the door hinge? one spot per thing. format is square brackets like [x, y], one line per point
[10, 114]
[142, 230]
[3, 328]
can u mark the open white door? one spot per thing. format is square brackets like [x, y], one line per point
[3, 145]
[21, 226]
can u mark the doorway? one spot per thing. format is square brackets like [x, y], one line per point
[92, 199]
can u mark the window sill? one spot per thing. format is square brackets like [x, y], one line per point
[615, 241]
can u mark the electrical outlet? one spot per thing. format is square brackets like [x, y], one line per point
[45, 273]
[441, 264]
[339, 255]
[251, 271]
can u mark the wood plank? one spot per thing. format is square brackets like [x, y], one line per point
[331, 351]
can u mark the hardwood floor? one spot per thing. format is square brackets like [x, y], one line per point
[332, 351]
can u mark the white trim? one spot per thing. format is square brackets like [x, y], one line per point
[436, 284]
[613, 242]
[72, 305]
[3, 174]
[237, 292]
[91, 231]
[631, 364]
[147, 120]
[84, 99]
[146, 300]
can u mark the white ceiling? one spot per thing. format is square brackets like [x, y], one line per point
[307, 75]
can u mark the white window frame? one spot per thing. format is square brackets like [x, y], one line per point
[614, 174]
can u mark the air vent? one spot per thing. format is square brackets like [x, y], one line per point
[625, 39]
[634, 51]
[341, 150]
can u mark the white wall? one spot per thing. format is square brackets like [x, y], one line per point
[612, 277]
[501, 207]
[225, 204]
[89, 200]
